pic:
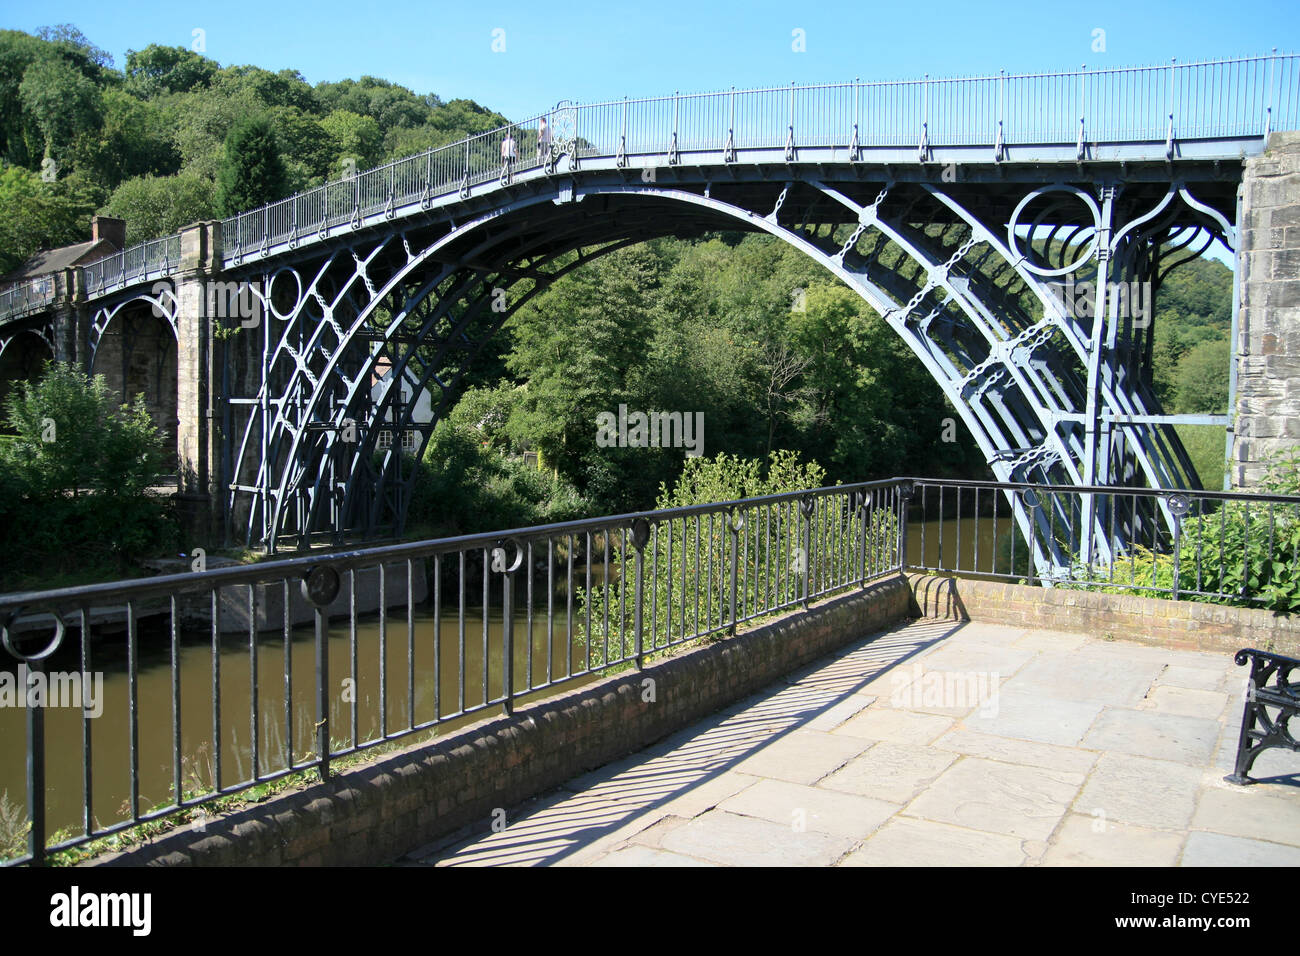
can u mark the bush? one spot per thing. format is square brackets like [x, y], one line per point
[1247, 550]
[687, 583]
[463, 486]
[74, 480]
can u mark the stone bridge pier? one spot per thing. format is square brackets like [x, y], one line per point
[1267, 365]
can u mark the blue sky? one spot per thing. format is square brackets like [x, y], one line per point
[603, 50]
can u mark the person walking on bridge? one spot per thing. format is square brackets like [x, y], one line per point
[543, 140]
[509, 153]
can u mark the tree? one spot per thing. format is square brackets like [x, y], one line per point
[21, 140]
[253, 172]
[156, 206]
[62, 100]
[77, 474]
[157, 70]
[1202, 378]
[355, 137]
[73, 43]
[132, 140]
[40, 215]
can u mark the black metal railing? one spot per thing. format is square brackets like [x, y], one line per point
[163, 694]
[1222, 546]
[182, 688]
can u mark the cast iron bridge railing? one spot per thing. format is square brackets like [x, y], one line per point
[222, 679]
[1060, 116]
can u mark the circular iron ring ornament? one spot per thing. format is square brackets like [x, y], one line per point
[7, 637]
[1030, 498]
[1179, 505]
[737, 520]
[270, 294]
[807, 506]
[320, 585]
[1013, 241]
[564, 129]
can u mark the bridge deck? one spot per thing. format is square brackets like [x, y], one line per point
[1092, 752]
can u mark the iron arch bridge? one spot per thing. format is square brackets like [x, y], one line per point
[1013, 230]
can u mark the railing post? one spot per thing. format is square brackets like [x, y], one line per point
[1268, 108]
[735, 522]
[640, 535]
[1083, 110]
[508, 642]
[807, 508]
[320, 586]
[1179, 505]
[904, 498]
[860, 506]
[35, 769]
[1169, 134]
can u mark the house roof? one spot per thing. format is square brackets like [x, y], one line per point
[65, 257]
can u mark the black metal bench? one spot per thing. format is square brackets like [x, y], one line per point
[1270, 687]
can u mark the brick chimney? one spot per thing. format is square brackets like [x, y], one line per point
[106, 227]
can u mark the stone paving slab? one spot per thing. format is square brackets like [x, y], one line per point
[1033, 716]
[890, 772]
[747, 841]
[1107, 679]
[1139, 790]
[803, 756]
[1163, 736]
[811, 808]
[1184, 701]
[1011, 750]
[1216, 849]
[1094, 841]
[1087, 752]
[998, 797]
[905, 842]
[896, 726]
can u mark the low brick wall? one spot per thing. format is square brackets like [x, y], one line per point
[377, 812]
[1182, 624]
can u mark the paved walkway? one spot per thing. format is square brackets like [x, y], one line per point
[936, 743]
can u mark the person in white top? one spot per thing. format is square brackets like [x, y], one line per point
[509, 151]
[543, 139]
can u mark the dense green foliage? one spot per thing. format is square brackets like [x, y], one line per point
[1247, 551]
[769, 548]
[464, 485]
[150, 142]
[708, 327]
[73, 479]
[252, 173]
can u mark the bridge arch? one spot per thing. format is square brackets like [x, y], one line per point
[132, 342]
[978, 310]
[22, 355]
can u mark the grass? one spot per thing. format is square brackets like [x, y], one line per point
[142, 833]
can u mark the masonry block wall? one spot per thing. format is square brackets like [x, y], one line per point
[137, 356]
[1186, 625]
[1268, 331]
